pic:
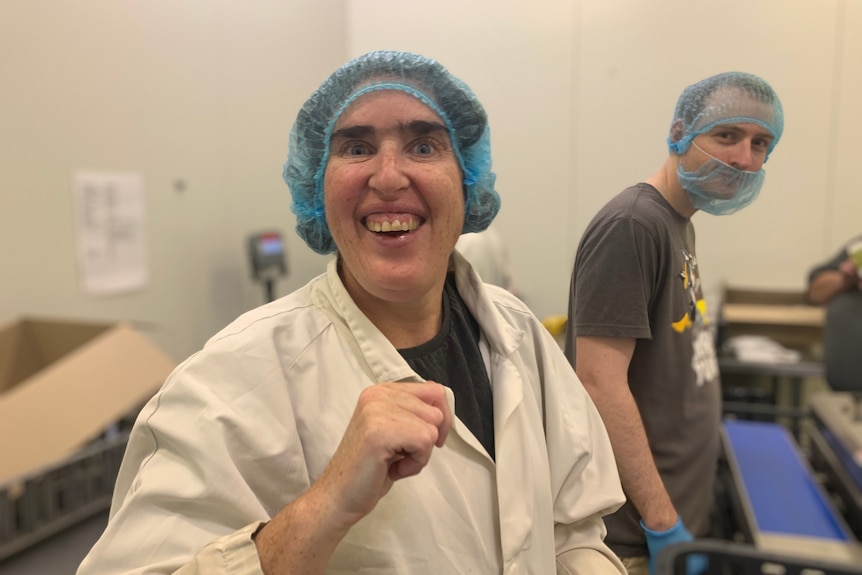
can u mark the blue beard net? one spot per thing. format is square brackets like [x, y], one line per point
[720, 189]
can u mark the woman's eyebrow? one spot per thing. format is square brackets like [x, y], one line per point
[353, 132]
[412, 127]
[422, 127]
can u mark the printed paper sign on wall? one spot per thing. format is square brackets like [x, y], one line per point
[110, 211]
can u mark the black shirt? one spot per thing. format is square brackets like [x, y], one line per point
[453, 359]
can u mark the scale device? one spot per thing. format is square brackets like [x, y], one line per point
[268, 263]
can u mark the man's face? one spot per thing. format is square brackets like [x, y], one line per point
[741, 145]
[393, 196]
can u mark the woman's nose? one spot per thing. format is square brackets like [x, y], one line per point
[388, 173]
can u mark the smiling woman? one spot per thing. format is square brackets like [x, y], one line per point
[449, 101]
[282, 445]
[398, 172]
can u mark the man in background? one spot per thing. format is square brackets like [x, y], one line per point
[836, 283]
[637, 332]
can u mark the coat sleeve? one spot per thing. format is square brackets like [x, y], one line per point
[589, 562]
[234, 554]
[584, 475]
[589, 492]
[211, 456]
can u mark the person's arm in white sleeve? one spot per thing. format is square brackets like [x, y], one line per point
[587, 487]
[390, 437]
[191, 498]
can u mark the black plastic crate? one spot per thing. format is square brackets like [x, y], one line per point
[35, 507]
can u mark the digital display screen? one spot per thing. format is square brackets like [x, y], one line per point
[270, 245]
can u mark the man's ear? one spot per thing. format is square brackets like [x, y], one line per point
[676, 130]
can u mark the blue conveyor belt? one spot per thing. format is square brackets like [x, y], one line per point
[783, 495]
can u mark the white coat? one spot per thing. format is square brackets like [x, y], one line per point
[244, 426]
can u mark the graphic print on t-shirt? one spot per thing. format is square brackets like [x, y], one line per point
[703, 360]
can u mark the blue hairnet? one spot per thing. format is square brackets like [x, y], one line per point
[717, 100]
[422, 78]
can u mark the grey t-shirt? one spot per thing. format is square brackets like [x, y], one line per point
[842, 334]
[636, 276]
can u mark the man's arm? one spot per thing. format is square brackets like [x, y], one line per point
[602, 366]
[828, 283]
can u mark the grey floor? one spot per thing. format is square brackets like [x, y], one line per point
[60, 554]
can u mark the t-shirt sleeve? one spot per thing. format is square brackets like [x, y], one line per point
[614, 280]
[832, 264]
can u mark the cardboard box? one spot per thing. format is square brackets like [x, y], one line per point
[781, 315]
[63, 383]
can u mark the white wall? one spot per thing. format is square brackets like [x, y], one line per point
[520, 59]
[203, 91]
[579, 93]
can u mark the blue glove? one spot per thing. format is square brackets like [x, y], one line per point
[658, 540]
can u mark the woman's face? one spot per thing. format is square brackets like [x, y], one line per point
[394, 197]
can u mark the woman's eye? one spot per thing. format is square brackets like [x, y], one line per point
[356, 149]
[424, 148]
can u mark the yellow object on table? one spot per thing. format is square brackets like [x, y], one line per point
[556, 324]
